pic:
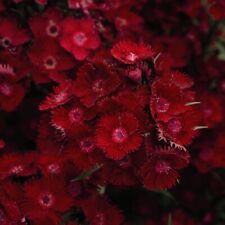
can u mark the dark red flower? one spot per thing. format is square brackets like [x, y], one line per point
[46, 24]
[50, 58]
[117, 135]
[16, 164]
[81, 149]
[10, 213]
[79, 37]
[66, 117]
[46, 198]
[11, 35]
[130, 52]
[170, 95]
[216, 9]
[162, 168]
[99, 211]
[180, 130]
[212, 111]
[51, 164]
[12, 70]
[95, 81]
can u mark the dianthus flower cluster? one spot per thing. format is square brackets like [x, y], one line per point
[112, 112]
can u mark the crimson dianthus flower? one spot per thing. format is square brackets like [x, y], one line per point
[11, 35]
[161, 169]
[62, 94]
[95, 81]
[170, 95]
[129, 52]
[79, 37]
[46, 24]
[46, 198]
[99, 211]
[118, 135]
[50, 58]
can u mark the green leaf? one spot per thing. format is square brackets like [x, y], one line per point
[87, 173]
[170, 222]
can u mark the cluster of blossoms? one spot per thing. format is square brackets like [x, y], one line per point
[104, 104]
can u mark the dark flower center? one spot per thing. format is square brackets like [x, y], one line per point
[46, 199]
[50, 62]
[6, 42]
[87, 145]
[52, 29]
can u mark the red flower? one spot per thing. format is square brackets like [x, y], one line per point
[99, 211]
[49, 57]
[47, 24]
[49, 139]
[51, 164]
[129, 52]
[12, 70]
[161, 169]
[180, 130]
[66, 117]
[212, 111]
[11, 35]
[16, 164]
[79, 37]
[217, 9]
[9, 210]
[170, 94]
[62, 94]
[117, 135]
[81, 148]
[46, 198]
[93, 82]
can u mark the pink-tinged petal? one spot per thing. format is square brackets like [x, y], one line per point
[80, 53]
[67, 43]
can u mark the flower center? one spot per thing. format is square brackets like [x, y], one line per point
[6, 89]
[16, 169]
[87, 145]
[174, 125]
[162, 167]
[76, 115]
[50, 63]
[79, 38]
[119, 135]
[54, 168]
[98, 86]
[131, 57]
[162, 105]
[6, 42]
[52, 29]
[46, 199]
